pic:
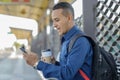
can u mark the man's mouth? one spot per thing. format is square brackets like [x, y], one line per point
[58, 29]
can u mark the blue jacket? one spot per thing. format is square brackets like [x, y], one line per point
[80, 57]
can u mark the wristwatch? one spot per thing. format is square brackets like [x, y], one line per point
[35, 65]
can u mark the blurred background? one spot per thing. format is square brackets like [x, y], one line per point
[28, 22]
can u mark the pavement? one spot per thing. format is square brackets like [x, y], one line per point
[14, 67]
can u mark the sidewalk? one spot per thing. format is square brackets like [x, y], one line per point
[13, 67]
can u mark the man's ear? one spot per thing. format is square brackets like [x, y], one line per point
[70, 17]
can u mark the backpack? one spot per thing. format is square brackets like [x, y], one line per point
[103, 65]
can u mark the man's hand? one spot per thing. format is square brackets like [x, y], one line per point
[31, 58]
[51, 61]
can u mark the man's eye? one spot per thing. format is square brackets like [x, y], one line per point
[57, 20]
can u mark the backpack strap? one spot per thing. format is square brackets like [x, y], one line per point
[72, 41]
[84, 75]
[74, 38]
[70, 45]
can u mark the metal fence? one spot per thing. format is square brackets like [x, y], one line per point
[108, 27]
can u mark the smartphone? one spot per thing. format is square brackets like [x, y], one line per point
[23, 49]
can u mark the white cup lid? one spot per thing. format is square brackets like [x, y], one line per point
[46, 53]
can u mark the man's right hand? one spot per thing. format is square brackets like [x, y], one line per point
[31, 58]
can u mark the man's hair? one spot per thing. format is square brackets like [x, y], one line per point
[67, 8]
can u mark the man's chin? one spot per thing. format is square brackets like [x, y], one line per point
[60, 34]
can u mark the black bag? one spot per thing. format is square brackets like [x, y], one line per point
[103, 65]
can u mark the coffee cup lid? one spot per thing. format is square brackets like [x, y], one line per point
[46, 53]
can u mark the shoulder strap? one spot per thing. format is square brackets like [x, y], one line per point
[72, 41]
[74, 38]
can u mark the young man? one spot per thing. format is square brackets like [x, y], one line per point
[80, 56]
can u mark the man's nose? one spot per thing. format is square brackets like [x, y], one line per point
[54, 25]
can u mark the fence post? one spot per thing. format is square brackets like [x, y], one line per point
[89, 12]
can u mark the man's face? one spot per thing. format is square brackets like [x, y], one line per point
[60, 22]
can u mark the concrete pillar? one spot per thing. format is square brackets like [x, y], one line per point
[89, 13]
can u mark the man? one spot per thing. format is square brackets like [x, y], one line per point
[80, 56]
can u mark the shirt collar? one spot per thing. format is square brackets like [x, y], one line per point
[70, 33]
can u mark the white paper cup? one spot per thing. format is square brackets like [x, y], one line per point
[46, 55]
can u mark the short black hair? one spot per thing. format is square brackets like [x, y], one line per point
[67, 7]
